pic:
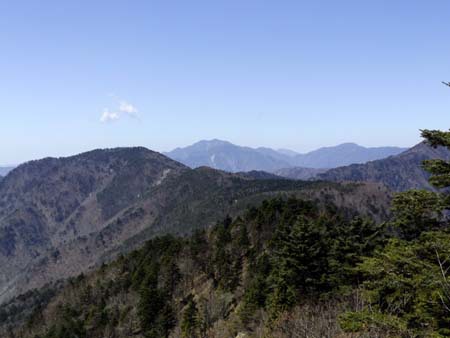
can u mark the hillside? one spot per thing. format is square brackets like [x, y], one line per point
[288, 268]
[399, 173]
[225, 282]
[48, 205]
[299, 173]
[59, 217]
[232, 158]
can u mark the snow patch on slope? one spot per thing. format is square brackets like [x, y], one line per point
[164, 175]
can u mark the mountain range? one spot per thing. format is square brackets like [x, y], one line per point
[63, 216]
[226, 156]
[60, 217]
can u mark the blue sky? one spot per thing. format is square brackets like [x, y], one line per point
[292, 74]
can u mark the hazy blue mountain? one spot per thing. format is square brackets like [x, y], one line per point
[344, 154]
[399, 173]
[273, 153]
[5, 170]
[226, 156]
[229, 157]
[288, 152]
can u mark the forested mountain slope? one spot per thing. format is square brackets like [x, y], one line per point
[226, 281]
[59, 217]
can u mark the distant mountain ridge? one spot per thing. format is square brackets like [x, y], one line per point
[399, 173]
[226, 156]
[5, 170]
[344, 154]
[229, 157]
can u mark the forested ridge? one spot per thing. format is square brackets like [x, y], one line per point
[288, 268]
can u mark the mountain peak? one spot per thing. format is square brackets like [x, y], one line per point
[213, 143]
[348, 145]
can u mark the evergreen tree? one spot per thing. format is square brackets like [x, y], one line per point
[300, 261]
[407, 282]
[190, 323]
[420, 210]
[154, 310]
[417, 211]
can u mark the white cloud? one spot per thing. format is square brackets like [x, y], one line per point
[125, 108]
[109, 116]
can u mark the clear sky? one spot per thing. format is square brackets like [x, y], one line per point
[82, 74]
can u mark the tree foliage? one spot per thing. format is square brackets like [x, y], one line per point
[407, 282]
